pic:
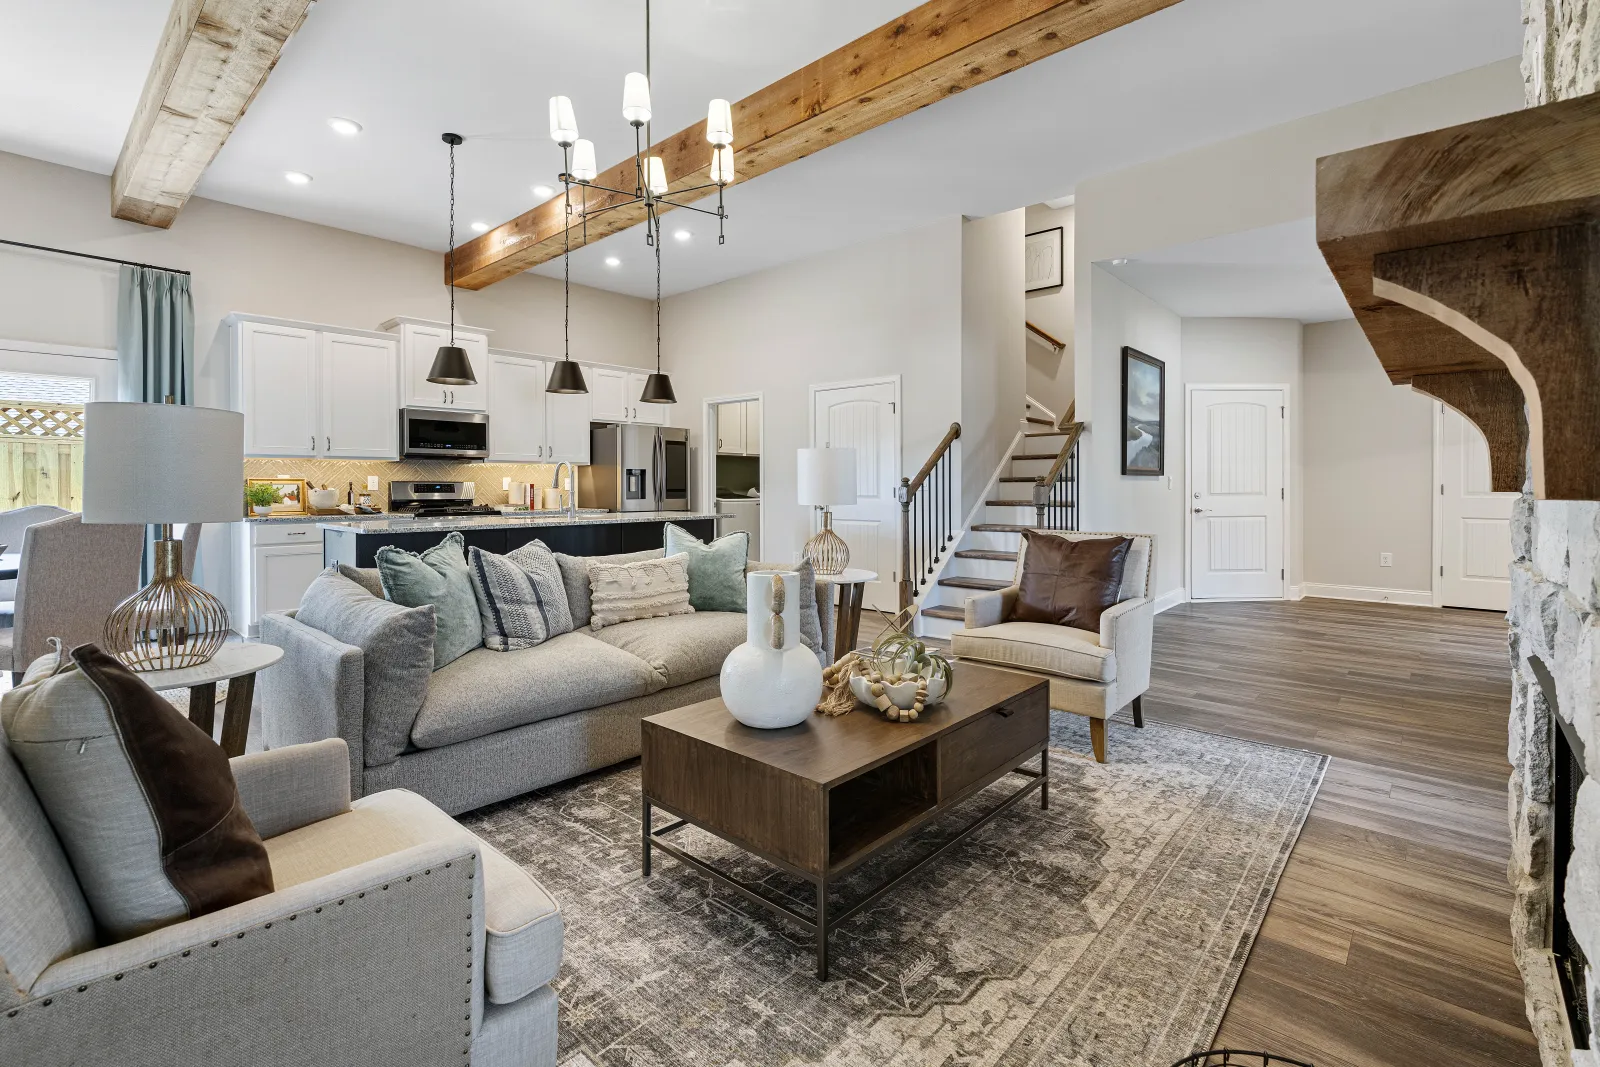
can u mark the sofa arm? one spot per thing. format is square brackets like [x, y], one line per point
[377, 964]
[314, 692]
[826, 612]
[1128, 629]
[287, 788]
[990, 609]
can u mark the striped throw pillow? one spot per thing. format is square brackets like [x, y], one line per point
[520, 596]
[647, 589]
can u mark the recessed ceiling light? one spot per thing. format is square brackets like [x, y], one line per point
[613, 261]
[543, 192]
[347, 127]
[295, 177]
[682, 235]
[480, 227]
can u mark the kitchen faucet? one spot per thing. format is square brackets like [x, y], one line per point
[572, 494]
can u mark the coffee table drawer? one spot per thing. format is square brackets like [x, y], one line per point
[992, 743]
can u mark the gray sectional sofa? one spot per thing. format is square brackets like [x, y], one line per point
[495, 725]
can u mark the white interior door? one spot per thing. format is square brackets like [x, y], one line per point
[1237, 493]
[1474, 521]
[866, 418]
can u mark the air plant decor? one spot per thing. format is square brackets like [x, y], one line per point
[900, 675]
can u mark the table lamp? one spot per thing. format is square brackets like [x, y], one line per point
[827, 478]
[159, 464]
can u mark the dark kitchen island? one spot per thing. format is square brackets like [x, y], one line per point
[588, 534]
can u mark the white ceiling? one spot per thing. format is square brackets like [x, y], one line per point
[1275, 272]
[71, 72]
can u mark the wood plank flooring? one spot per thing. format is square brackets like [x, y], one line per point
[1388, 943]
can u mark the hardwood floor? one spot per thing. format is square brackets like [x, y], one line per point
[1388, 943]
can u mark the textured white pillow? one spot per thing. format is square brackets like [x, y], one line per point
[647, 589]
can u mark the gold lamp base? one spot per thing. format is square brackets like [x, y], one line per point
[826, 551]
[171, 622]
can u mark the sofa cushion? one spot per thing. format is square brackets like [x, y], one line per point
[367, 578]
[716, 571]
[396, 646]
[524, 927]
[575, 576]
[484, 692]
[143, 802]
[810, 617]
[521, 599]
[680, 649]
[1038, 646]
[436, 576]
[647, 589]
[1069, 581]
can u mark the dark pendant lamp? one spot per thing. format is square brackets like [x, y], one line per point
[450, 364]
[658, 387]
[567, 376]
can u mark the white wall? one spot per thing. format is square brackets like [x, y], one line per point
[1049, 373]
[992, 342]
[1257, 352]
[887, 307]
[1369, 468]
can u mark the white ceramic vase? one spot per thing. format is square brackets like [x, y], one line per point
[772, 680]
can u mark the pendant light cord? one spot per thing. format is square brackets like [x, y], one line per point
[452, 245]
[566, 273]
[658, 295]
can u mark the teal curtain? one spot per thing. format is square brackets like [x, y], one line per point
[155, 336]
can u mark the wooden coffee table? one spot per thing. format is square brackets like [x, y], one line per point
[821, 798]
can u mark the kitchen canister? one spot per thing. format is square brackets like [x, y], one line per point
[772, 680]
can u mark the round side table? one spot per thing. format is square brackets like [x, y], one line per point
[236, 664]
[852, 583]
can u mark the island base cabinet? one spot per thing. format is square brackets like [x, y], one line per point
[278, 564]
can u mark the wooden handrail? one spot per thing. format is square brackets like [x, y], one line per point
[909, 489]
[1042, 335]
[1073, 432]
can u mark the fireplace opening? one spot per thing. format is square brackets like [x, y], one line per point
[1566, 750]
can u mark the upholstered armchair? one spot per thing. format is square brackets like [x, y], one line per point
[1091, 674]
[393, 936]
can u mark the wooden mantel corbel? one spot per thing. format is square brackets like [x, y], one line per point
[1471, 257]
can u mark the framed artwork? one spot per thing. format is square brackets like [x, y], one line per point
[1045, 267]
[293, 491]
[1144, 413]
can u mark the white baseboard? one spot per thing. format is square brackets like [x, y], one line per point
[1171, 599]
[1416, 597]
[1297, 592]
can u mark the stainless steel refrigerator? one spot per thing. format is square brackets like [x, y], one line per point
[636, 468]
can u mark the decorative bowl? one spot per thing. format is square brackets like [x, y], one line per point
[901, 694]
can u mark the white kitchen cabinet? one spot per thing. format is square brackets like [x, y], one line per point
[359, 403]
[276, 383]
[609, 388]
[739, 428]
[752, 427]
[280, 560]
[420, 340]
[567, 417]
[518, 430]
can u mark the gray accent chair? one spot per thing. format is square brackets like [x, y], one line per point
[395, 938]
[1091, 674]
[72, 575]
[13, 525]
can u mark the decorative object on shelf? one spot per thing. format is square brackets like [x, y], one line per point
[451, 365]
[1045, 260]
[261, 496]
[291, 494]
[323, 499]
[651, 188]
[160, 464]
[827, 479]
[1144, 413]
[772, 680]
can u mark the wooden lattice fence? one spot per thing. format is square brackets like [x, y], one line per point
[41, 455]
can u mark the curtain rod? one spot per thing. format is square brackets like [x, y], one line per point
[86, 255]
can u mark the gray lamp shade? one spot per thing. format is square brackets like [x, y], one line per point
[162, 463]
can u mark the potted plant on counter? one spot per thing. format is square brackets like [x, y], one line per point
[261, 497]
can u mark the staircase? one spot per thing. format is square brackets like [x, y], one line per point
[985, 556]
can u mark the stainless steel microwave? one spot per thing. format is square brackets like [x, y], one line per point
[453, 434]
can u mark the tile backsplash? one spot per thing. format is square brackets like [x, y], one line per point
[338, 473]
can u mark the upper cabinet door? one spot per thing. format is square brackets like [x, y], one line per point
[517, 410]
[752, 427]
[419, 345]
[359, 406]
[730, 429]
[473, 397]
[652, 414]
[609, 388]
[278, 389]
[567, 417]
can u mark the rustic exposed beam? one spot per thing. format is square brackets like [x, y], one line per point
[213, 58]
[933, 51]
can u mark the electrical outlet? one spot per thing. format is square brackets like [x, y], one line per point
[1386, 559]
[372, 483]
[505, 483]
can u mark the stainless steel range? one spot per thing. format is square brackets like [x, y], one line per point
[435, 500]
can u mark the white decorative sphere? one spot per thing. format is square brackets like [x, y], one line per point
[769, 689]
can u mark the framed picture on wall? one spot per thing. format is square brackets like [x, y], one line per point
[1045, 266]
[1144, 413]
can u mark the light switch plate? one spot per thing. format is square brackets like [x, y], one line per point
[1386, 559]
[372, 482]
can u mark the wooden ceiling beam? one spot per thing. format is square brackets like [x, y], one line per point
[213, 58]
[934, 51]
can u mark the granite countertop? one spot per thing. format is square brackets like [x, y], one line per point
[496, 522]
[276, 519]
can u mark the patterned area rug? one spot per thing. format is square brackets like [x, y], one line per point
[1106, 932]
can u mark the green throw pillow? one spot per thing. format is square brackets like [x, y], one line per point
[439, 576]
[716, 571]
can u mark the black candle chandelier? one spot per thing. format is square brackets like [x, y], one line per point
[650, 188]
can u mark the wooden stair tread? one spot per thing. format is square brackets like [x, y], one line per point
[1020, 478]
[1045, 433]
[983, 553]
[986, 584]
[1037, 421]
[1008, 503]
[939, 611]
[1034, 455]
[999, 527]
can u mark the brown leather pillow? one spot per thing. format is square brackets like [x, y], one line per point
[1069, 582]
